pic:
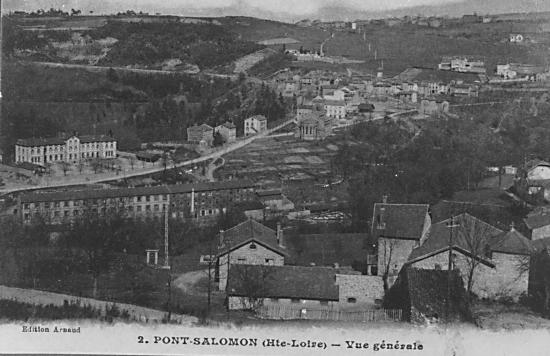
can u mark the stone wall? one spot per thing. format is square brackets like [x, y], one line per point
[540, 233]
[396, 252]
[238, 303]
[507, 279]
[249, 256]
[365, 289]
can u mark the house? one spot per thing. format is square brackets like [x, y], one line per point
[228, 131]
[422, 294]
[200, 133]
[539, 225]
[312, 126]
[254, 125]
[326, 288]
[365, 108]
[498, 259]
[72, 149]
[249, 243]
[465, 64]
[398, 229]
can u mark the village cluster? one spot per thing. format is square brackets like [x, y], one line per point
[409, 264]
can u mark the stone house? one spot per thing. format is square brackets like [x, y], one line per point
[228, 131]
[254, 125]
[251, 286]
[501, 258]
[422, 294]
[398, 229]
[249, 243]
[198, 133]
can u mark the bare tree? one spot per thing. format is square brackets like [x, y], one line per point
[132, 161]
[388, 246]
[65, 166]
[252, 281]
[96, 165]
[474, 235]
[80, 166]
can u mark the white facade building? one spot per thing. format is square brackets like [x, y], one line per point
[254, 125]
[72, 149]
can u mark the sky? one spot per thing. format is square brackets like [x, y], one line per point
[281, 9]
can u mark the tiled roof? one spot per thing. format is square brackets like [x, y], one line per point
[541, 244]
[249, 230]
[35, 142]
[313, 283]
[434, 75]
[535, 163]
[512, 242]
[329, 249]
[137, 191]
[200, 128]
[258, 117]
[228, 125]
[335, 103]
[439, 235]
[402, 221]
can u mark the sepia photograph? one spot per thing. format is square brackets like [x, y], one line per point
[275, 177]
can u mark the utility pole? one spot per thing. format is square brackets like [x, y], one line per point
[166, 258]
[451, 224]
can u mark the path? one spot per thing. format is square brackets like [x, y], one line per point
[100, 178]
[38, 297]
[212, 168]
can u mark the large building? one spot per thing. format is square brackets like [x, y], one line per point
[41, 151]
[199, 201]
[313, 126]
[254, 125]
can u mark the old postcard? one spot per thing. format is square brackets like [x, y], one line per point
[254, 177]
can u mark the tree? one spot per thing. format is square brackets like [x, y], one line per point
[218, 139]
[65, 166]
[473, 235]
[252, 281]
[96, 237]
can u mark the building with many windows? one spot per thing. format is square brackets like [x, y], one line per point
[75, 148]
[201, 201]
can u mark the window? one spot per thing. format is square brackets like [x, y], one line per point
[295, 300]
[269, 261]
[66, 213]
[252, 246]
[274, 300]
[241, 260]
[352, 300]
[323, 302]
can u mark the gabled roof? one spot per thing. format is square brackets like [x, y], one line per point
[202, 128]
[329, 249]
[463, 237]
[228, 125]
[313, 283]
[35, 142]
[248, 231]
[512, 242]
[402, 221]
[257, 117]
[335, 103]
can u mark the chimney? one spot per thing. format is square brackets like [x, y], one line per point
[381, 223]
[385, 198]
[280, 238]
[512, 226]
[221, 237]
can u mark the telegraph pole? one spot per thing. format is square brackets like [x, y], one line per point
[166, 258]
[451, 224]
